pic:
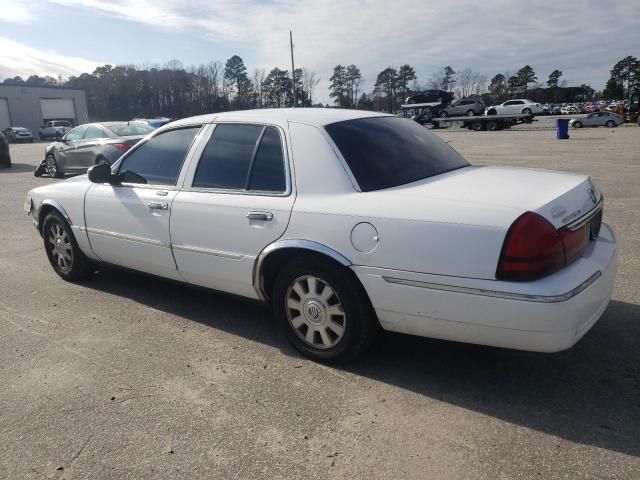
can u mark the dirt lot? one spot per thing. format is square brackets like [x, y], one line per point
[128, 377]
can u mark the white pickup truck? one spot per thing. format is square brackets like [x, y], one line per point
[52, 128]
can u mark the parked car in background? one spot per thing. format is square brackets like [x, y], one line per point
[153, 122]
[92, 144]
[597, 119]
[515, 106]
[18, 134]
[464, 107]
[54, 129]
[345, 222]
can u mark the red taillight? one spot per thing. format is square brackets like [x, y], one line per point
[123, 147]
[533, 248]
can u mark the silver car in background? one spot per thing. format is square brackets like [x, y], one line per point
[91, 144]
[597, 119]
[465, 107]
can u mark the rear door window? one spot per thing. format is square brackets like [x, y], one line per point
[243, 157]
[160, 159]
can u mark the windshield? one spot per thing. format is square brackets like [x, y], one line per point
[128, 130]
[385, 152]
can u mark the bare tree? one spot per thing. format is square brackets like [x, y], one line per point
[259, 76]
[470, 82]
[309, 83]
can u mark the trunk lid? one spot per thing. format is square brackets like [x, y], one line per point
[559, 197]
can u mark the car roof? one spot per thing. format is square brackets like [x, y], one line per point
[280, 116]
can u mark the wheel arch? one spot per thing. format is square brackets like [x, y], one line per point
[47, 206]
[274, 256]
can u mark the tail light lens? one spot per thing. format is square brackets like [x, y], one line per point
[123, 147]
[533, 248]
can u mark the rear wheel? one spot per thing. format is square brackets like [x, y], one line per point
[492, 126]
[322, 311]
[51, 165]
[610, 124]
[527, 111]
[62, 250]
[470, 113]
[102, 161]
[444, 114]
[477, 126]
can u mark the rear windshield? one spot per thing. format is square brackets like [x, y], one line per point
[385, 152]
[128, 130]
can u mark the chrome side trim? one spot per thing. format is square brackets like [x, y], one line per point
[299, 244]
[497, 294]
[124, 236]
[206, 251]
[57, 206]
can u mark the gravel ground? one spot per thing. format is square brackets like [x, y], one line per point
[123, 376]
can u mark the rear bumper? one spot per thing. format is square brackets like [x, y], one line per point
[546, 315]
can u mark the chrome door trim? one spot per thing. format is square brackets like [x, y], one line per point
[207, 251]
[496, 293]
[124, 236]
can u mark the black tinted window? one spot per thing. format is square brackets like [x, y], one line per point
[385, 152]
[267, 173]
[159, 160]
[226, 159]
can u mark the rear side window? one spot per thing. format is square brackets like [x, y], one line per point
[267, 174]
[242, 157]
[160, 159]
[385, 152]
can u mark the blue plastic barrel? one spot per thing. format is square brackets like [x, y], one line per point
[562, 129]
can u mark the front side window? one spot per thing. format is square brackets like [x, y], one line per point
[242, 157]
[160, 159]
[75, 134]
[384, 152]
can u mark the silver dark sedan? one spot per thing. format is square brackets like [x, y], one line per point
[91, 144]
[597, 119]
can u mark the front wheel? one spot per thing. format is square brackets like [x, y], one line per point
[610, 124]
[527, 111]
[577, 124]
[492, 112]
[444, 114]
[470, 113]
[62, 250]
[323, 312]
[51, 166]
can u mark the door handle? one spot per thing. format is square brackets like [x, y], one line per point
[158, 205]
[266, 216]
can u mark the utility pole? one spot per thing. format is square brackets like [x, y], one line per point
[293, 72]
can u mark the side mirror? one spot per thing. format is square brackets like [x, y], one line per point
[100, 173]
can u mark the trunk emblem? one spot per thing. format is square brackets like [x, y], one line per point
[558, 211]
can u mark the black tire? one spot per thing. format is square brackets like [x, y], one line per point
[577, 124]
[40, 136]
[610, 124]
[102, 161]
[527, 111]
[477, 126]
[357, 318]
[470, 113]
[492, 112]
[62, 250]
[492, 126]
[444, 114]
[52, 168]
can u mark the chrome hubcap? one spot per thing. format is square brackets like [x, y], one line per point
[60, 247]
[315, 312]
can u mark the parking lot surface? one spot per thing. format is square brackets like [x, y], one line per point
[123, 376]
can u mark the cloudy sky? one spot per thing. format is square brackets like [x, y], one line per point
[583, 38]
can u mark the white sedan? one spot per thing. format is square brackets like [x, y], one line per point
[346, 222]
[516, 106]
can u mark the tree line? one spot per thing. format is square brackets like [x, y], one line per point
[172, 90]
